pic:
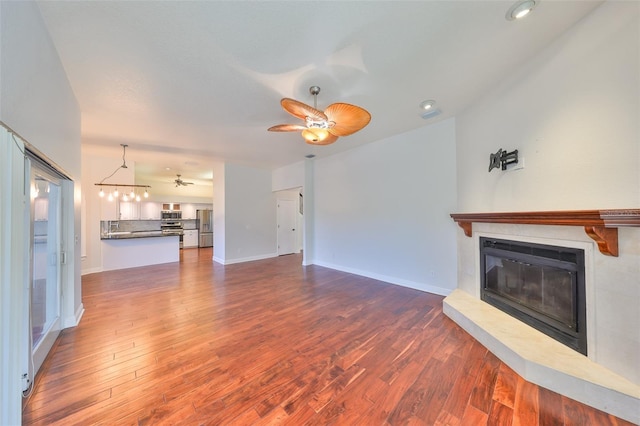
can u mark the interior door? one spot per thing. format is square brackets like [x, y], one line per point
[45, 258]
[287, 210]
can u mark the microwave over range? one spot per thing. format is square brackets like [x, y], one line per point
[171, 214]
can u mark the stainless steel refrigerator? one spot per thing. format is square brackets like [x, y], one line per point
[204, 223]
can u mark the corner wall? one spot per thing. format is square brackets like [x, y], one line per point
[382, 209]
[244, 214]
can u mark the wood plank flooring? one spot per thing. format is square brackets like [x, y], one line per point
[272, 342]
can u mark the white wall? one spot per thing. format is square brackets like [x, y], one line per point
[219, 217]
[37, 102]
[574, 113]
[246, 217]
[382, 210]
[94, 169]
[288, 177]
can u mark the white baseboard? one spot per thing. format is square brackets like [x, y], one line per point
[244, 259]
[91, 271]
[74, 320]
[388, 279]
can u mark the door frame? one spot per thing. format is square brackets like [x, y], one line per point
[293, 210]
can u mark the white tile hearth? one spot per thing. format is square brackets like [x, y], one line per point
[542, 360]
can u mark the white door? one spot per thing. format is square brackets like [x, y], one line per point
[287, 210]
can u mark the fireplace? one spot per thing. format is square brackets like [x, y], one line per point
[608, 378]
[541, 285]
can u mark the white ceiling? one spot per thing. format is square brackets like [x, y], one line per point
[187, 83]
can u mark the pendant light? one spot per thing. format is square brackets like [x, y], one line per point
[116, 193]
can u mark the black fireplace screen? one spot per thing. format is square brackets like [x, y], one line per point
[540, 285]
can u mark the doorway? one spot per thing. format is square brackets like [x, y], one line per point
[287, 227]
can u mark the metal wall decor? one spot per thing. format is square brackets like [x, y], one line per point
[502, 159]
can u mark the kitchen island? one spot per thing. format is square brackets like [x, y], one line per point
[122, 250]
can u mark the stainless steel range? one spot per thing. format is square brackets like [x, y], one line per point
[172, 227]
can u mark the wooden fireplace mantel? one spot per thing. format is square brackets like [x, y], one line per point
[601, 225]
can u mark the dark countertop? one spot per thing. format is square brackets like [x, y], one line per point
[134, 234]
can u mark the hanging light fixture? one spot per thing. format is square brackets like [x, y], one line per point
[116, 193]
[315, 134]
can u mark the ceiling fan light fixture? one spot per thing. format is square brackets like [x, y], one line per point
[323, 127]
[315, 134]
[521, 9]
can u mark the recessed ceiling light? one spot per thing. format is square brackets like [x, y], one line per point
[521, 9]
[427, 105]
[167, 168]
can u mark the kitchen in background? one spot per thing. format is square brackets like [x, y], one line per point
[155, 219]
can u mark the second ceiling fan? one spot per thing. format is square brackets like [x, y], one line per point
[180, 182]
[323, 127]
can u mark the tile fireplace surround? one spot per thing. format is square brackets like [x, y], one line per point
[608, 378]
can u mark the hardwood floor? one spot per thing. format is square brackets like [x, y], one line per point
[272, 342]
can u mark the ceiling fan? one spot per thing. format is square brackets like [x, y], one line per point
[323, 128]
[180, 182]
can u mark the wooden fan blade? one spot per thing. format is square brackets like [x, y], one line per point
[326, 141]
[348, 118]
[286, 128]
[302, 111]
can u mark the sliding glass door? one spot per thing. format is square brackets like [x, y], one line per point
[45, 247]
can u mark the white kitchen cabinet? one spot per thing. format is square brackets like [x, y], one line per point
[129, 210]
[190, 238]
[150, 210]
[188, 211]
